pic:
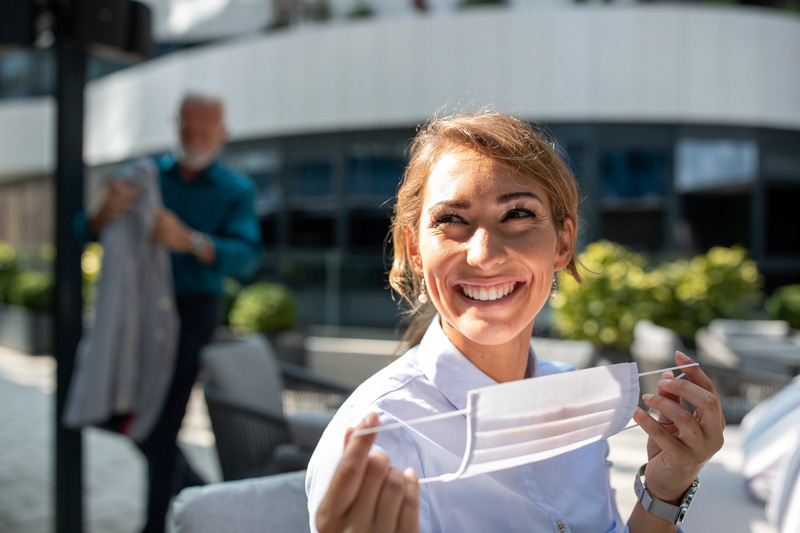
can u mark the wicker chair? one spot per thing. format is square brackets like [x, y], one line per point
[267, 415]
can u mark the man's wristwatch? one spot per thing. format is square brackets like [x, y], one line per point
[198, 241]
[671, 513]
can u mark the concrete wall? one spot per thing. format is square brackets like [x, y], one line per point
[649, 63]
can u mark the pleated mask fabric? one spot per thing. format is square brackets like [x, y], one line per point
[520, 422]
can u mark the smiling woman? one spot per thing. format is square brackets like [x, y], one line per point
[485, 217]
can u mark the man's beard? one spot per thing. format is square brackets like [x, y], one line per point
[194, 159]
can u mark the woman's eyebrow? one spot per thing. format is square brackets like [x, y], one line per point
[509, 197]
[452, 204]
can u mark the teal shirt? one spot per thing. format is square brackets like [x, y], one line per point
[219, 203]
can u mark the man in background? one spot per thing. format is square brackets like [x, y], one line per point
[208, 223]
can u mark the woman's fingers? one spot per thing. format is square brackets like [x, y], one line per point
[663, 437]
[347, 479]
[409, 512]
[390, 501]
[362, 513]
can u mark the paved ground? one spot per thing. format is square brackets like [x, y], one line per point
[114, 471]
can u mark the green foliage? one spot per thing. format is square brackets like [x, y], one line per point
[615, 294]
[8, 268]
[724, 283]
[91, 263]
[784, 304]
[360, 11]
[472, 3]
[31, 289]
[683, 295]
[264, 307]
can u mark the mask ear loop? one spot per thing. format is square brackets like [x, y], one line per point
[681, 375]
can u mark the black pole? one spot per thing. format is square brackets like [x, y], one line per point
[70, 82]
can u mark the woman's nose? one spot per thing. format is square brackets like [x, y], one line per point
[485, 250]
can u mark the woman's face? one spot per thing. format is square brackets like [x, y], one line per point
[487, 246]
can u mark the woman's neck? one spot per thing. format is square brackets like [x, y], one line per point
[501, 362]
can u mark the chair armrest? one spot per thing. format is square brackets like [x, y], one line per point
[307, 428]
[277, 503]
[245, 438]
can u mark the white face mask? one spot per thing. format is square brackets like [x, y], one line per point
[521, 422]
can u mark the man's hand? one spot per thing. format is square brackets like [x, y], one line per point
[367, 494]
[119, 199]
[170, 231]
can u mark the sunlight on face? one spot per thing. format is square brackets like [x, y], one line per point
[487, 247]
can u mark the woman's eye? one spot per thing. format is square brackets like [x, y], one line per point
[519, 213]
[447, 218]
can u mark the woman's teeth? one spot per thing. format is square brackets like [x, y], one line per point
[490, 293]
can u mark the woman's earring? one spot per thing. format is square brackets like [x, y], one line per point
[554, 289]
[423, 293]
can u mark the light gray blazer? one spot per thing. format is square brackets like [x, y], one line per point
[125, 361]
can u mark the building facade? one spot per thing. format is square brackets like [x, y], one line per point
[681, 122]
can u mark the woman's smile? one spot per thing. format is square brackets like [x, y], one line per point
[485, 293]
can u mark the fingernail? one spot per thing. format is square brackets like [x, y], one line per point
[410, 474]
[647, 397]
[666, 376]
[685, 358]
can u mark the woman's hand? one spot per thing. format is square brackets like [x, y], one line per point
[366, 493]
[680, 442]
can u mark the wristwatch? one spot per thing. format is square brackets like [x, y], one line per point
[671, 513]
[198, 241]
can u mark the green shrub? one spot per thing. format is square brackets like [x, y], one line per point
[264, 307]
[31, 289]
[8, 268]
[683, 295]
[614, 295]
[784, 304]
[91, 264]
[723, 283]
[472, 3]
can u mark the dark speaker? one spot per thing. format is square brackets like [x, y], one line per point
[98, 25]
[16, 23]
[139, 41]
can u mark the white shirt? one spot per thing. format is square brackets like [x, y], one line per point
[568, 493]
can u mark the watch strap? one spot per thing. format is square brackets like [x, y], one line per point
[674, 514]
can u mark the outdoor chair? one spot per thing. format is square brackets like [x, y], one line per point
[271, 504]
[267, 415]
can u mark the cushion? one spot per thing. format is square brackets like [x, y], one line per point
[266, 504]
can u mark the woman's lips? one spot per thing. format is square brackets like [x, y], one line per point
[485, 293]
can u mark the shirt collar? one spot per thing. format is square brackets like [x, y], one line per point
[450, 371]
[169, 166]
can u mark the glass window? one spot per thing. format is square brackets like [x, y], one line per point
[783, 224]
[633, 173]
[367, 230]
[374, 175]
[311, 230]
[310, 178]
[712, 163]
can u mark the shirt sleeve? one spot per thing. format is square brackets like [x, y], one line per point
[238, 244]
[80, 226]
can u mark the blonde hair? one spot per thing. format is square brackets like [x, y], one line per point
[512, 142]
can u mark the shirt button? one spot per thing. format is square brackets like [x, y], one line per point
[164, 303]
[561, 526]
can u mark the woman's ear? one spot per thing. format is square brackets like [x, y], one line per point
[412, 250]
[565, 247]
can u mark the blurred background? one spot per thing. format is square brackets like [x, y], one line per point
[681, 121]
